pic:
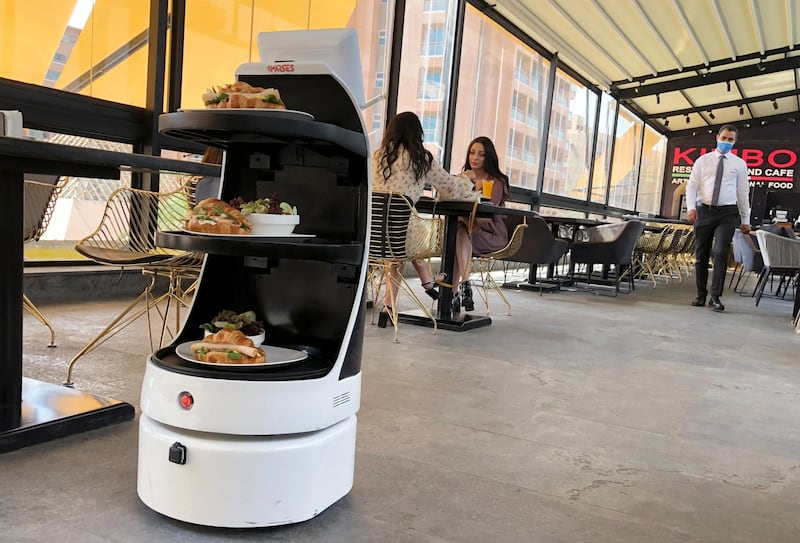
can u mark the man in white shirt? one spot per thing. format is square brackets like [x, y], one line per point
[717, 200]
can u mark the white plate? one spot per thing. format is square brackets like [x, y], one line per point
[276, 356]
[277, 113]
[292, 235]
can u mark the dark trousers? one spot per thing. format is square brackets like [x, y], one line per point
[713, 230]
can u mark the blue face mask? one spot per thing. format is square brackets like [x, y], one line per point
[724, 146]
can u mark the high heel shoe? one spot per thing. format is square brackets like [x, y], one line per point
[466, 297]
[455, 306]
[430, 289]
[383, 316]
[430, 286]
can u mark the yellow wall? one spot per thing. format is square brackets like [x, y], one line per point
[30, 31]
[217, 40]
[218, 37]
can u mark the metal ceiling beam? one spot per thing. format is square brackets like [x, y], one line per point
[760, 121]
[757, 25]
[732, 74]
[654, 30]
[610, 22]
[688, 27]
[585, 34]
[723, 105]
[712, 64]
[741, 93]
[525, 16]
[721, 22]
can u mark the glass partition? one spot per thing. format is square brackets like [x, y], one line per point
[426, 64]
[93, 47]
[569, 143]
[625, 166]
[651, 173]
[605, 138]
[501, 92]
[220, 35]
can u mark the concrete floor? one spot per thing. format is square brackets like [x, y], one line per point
[582, 418]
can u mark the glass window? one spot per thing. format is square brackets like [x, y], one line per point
[435, 5]
[425, 77]
[605, 137]
[379, 80]
[80, 205]
[430, 84]
[377, 120]
[382, 37]
[625, 167]
[96, 48]
[495, 98]
[430, 127]
[569, 144]
[651, 173]
[433, 44]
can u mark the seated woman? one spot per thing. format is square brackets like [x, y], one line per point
[488, 234]
[402, 164]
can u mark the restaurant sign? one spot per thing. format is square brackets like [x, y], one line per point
[771, 165]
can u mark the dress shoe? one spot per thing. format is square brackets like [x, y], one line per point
[700, 301]
[715, 304]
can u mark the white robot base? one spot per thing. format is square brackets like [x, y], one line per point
[244, 481]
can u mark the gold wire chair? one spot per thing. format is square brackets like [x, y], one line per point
[41, 194]
[482, 265]
[399, 234]
[126, 238]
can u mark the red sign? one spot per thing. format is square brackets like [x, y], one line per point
[280, 68]
[772, 165]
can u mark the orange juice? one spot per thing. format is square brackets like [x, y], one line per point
[486, 188]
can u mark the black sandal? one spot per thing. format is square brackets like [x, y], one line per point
[430, 289]
[430, 286]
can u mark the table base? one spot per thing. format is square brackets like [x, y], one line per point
[53, 411]
[544, 286]
[462, 323]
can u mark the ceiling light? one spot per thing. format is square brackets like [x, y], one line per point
[763, 123]
[741, 110]
[761, 66]
[774, 104]
[711, 114]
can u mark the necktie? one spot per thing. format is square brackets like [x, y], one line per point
[718, 181]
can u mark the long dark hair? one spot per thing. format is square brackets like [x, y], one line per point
[405, 130]
[491, 163]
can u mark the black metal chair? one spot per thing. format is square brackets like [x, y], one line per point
[748, 260]
[539, 246]
[608, 244]
[781, 256]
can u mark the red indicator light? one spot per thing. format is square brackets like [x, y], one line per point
[185, 400]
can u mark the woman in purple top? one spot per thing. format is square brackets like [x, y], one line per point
[488, 233]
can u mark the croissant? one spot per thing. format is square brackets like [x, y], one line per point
[230, 335]
[228, 346]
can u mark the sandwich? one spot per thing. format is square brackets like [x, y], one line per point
[242, 95]
[213, 216]
[228, 347]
